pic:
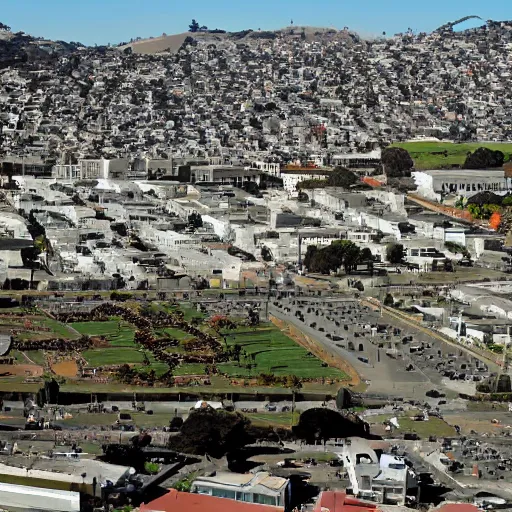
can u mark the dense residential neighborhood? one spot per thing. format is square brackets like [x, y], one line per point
[256, 271]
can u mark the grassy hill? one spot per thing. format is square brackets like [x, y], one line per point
[444, 155]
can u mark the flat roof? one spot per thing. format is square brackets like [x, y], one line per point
[466, 173]
[247, 480]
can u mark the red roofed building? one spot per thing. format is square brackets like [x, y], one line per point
[457, 507]
[338, 501]
[175, 501]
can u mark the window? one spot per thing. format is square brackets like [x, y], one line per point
[263, 499]
[224, 493]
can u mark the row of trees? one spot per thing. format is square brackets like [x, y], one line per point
[397, 162]
[217, 433]
[195, 27]
[341, 253]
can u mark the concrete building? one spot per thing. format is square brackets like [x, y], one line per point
[386, 480]
[464, 182]
[271, 168]
[261, 487]
[36, 498]
[93, 169]
[294, 175]
[358, 160]
[225, 175]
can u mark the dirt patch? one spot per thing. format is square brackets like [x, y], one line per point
[26, 370]
[67, 368]
[313, 347]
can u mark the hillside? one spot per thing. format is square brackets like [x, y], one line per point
[18, 48]
[172, 43]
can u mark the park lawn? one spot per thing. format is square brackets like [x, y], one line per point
[159, 367]
[35, 355]
[112, 356]
[271, 351]
[189, 369]
[118, 333]
[56, 329]
[432, 427]
[423, 152]
[176, 333]
[60, 329]
[188, 309]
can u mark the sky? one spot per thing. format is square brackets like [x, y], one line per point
[113, 21]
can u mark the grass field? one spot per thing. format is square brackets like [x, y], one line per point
[175, 333]
[118, 333]
[271, 351]
[190, 369]
[425, 153]
[432, 427]
[110, 356]
[188, 309]
[28, 327]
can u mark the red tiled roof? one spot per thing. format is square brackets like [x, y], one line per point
[338, 501]
[175, 501]
[457, 507]
[371, 181]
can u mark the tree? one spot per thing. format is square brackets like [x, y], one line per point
[484, 158]
[321, 424]
[31, 256]
[395, 253]
[195, 221]
[456, 248]
[388, 300]
[341, 177]
[266, 253]
[397, 163]
[194, 26]
[207, 431]
[341, 253]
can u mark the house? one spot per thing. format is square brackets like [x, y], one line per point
[385, 480]
[358, 160]
[262, 487]
[292, 175]
[175, 501]
[463, 182]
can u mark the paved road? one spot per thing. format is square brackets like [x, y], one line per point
[385, 375]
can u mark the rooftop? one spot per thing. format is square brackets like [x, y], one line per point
[338, 501]
[176, 501]
[248, 480]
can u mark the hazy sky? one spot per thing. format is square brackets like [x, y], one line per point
[104, 21]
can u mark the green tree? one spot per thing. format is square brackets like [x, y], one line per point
[397, 163]
[194, 26]
[195, 221]
[341, 177]
[213, 432]
[475, 211]
[395, 253]
[484, 158]
[322, 424]
[389, 301]
[341, 253]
